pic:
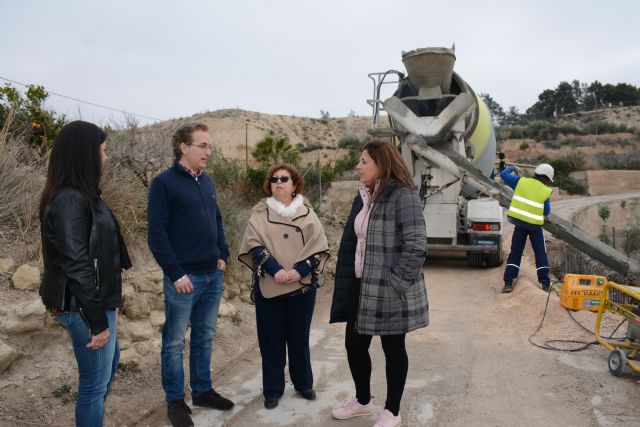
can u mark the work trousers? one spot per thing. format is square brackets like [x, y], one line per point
[396, 366]
[518, 241]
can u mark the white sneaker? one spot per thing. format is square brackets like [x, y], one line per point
[351, 409]
[387, 419]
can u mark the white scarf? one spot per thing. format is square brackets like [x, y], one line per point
[286, 211]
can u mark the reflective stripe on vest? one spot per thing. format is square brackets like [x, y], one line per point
[528, 200]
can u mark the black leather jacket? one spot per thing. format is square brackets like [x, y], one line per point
[81, 247]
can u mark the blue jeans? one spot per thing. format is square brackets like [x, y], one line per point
[518, 241]
[200, 308]
[96, 367]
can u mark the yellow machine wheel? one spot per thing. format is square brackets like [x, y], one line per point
[617, 360]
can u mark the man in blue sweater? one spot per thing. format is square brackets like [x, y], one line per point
[529, 205]
[186, 238]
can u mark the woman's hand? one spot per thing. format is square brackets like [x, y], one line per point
[100, 340]
[282, 277]
[293, 276]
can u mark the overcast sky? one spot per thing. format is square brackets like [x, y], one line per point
[168, 59]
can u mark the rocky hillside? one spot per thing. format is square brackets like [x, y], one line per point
[588, 133]
[234, 131]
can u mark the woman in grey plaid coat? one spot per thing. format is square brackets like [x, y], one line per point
[379, 288]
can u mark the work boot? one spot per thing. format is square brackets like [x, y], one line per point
[546, 287]
[212, 399]
[179, 414]
[508, 288]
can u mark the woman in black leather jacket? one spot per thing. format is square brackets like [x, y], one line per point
[83, 255]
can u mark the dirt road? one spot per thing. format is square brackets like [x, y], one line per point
[565, 208]
[473, 366]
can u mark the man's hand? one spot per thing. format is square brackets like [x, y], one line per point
[281, 277]
[221, 265]
[99, 340]
[183, 285]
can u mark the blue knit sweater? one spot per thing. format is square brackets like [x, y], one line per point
[186, 234]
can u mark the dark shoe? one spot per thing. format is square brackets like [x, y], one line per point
[545, 287]
[214, 400]
[508, 288]
[309, 394]
[270, 402]
[179, 413]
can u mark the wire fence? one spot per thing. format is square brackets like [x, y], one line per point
[565, 112]
[572, 260]
[624, 240]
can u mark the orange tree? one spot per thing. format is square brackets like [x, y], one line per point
[24, 114]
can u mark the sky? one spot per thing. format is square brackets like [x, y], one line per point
[164, 59]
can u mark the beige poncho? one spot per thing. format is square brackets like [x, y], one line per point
[289, 240]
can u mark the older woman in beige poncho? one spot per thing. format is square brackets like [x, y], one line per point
[285, 247]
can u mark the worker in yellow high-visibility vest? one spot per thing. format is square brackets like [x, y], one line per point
[529, 205]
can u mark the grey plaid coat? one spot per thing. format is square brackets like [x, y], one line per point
[393, 297]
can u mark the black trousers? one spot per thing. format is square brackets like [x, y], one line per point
[284, 324]
[396, 366]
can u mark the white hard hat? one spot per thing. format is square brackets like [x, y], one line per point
[546, 170]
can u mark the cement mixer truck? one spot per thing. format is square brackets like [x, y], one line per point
[433, 115]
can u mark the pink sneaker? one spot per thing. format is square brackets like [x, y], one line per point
[351, 409]
[387, 419]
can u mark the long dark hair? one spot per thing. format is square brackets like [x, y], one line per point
[75, 162]
[390, 163]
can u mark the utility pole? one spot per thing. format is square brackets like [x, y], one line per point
[246, 144]
[319, 181]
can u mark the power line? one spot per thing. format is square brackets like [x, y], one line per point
[86, 102]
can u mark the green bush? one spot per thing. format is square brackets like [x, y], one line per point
[553, 144]
[633, 239]
[568, 129]
[255, 177]
[570, 162]
[600, 128]
[524, 146]
[347, 163]
[540, 130]
[570, 185]
[310, 147]
[508, 132]
[352, 142]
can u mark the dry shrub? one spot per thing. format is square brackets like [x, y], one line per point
[127, 198]
[143, 151]
[21, 180]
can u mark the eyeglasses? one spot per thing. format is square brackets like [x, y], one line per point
[202, 146]
[275, 179]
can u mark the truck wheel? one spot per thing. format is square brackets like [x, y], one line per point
[617, 360]
[475, 259]
[495, 259]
